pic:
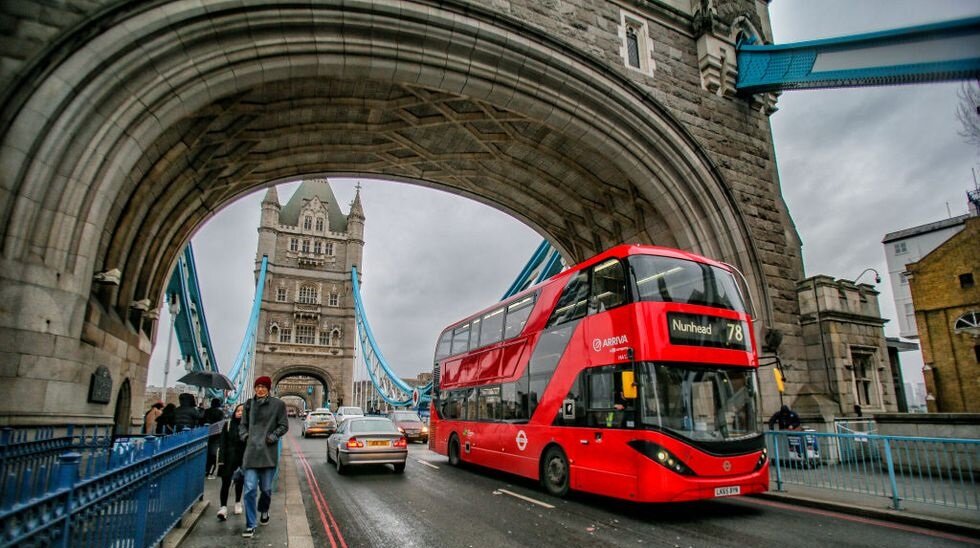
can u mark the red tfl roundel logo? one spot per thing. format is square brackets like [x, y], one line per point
[727, 466]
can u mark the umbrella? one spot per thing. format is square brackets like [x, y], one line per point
[207, 379]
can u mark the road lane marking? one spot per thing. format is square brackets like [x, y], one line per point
[522, 497]
[326, 516]
[429, 464]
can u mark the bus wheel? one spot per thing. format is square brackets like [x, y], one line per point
[554, 472]
[454, 459]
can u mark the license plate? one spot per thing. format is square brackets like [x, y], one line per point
[376, 443]
[727, 491]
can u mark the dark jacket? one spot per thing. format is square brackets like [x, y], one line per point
[786, 418]
[187, 415]
[263, 423]
[165, 422]
[213, 415]
[231, 448]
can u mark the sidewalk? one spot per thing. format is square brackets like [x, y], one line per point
[288, 526]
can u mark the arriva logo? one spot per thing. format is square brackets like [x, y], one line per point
[599, 344]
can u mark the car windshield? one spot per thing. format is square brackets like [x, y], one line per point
[666, 279]
[372, 427]
[350, 411]
[700, 403]
[320, 415]
[406, 417]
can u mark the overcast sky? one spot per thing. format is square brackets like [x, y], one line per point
[854, 164]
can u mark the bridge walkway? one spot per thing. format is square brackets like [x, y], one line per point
[290, 527]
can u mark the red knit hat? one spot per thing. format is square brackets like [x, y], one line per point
[266, 381]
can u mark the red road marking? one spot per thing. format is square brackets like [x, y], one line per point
[867, 521]
[326, 516]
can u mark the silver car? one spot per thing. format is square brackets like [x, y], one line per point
[367, 440]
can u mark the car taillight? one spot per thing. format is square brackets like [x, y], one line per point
[401, 443]
[353, 443]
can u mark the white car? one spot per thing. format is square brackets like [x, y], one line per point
[348, 412]
[321, 421]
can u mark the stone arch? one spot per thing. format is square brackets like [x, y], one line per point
[139, 125]
[122, 416]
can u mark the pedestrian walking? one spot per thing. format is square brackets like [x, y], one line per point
[263, 423]
[165, 422]
[230, 451]
[187, 415]
[150, 418]
[213, 415]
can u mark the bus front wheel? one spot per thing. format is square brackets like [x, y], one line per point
[554, 472]
[454, 459]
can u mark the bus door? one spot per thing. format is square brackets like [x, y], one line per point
[603, 461]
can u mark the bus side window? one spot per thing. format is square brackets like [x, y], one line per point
[573, 303]
[608, 286]
[442, 348]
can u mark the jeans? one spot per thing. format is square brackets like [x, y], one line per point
[260, 478]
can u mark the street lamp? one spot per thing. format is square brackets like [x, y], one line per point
[865, 271]
[174, 310]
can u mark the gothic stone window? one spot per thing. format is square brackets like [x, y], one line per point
[306, 246]
[308, 223]
[317, 247]
[328, 248]
[319, 224]
[324, 338]
[281, 294]
[285, 335]
[636, 46]
[307, 294]
[293, 244]
[333, 300]
[305, 334]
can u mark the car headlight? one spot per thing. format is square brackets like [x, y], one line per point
[425, 429]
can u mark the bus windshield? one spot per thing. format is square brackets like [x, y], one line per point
[666, 279]
[699, 403]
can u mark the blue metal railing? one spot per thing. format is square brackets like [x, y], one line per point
[939, 471]
[129, 493]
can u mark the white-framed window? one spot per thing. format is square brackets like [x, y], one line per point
[293, 244]
[281, 294]
[307, 294]
[904, 278]
[305, 334]
[319, 224]
[308, 223]
[285, 335]
[317, 248]
[901, 248]
[636, 48]
[333, 300]
[328, 248]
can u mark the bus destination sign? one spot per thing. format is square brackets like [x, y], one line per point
[701, 330]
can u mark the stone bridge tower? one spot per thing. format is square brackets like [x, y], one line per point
[306, 323]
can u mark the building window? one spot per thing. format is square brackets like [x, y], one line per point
[285, 335]
[305, 334]
[328, 248]
[904, 277]
[632, 48]
[319, 224]
[901, 248]
[281, 294]
[317, 248]
[865, 387]
[293, 244]
[324, 338]
[308, 223]
[333, 300]
[966, 280]
[307, 294]
[636, 45]
[306, 246]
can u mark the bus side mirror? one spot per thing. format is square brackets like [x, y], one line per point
[629, 385]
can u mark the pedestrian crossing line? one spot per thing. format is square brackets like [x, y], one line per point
[429, 464]
[522, 497]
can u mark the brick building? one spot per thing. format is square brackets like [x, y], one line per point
[947, 312]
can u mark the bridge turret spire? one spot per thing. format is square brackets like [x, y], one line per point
[271, 197]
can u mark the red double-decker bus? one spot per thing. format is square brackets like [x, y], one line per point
[630, 375]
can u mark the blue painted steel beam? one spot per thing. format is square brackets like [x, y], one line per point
[926, 53]
[192, 337]
[246, 353]
[544, 263]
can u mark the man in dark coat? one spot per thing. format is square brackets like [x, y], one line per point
[212, 415]
[263, 423]
[786, 418]
[187, 415]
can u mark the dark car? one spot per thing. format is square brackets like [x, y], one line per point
[367, 440]
[410, 424]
